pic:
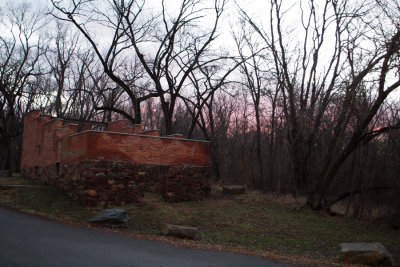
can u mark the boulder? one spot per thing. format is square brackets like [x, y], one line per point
[180, 231]
[366, 253]
[112, 217]
[233, 189]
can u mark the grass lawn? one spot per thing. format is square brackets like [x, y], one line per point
[15, 179]
[253, 223]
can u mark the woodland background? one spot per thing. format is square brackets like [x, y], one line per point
[301, 97]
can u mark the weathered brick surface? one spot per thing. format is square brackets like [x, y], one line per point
[127, 129]
[46, 142]
[116, 126]
[29, 144]
[114, 166]
[154, 132]
[137, 128]
[137, 149]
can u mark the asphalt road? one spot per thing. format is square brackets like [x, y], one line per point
[31, 241]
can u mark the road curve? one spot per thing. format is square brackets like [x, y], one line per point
[27, 240]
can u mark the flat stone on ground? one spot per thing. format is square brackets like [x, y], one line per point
[180, 231]
[366, 253]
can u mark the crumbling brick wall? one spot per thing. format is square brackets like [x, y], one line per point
[57, 153]
[47, 141]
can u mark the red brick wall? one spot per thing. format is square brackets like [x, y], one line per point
[137, 149]
[29, 141]
[127, 129]
[137, 128]
[35, 140]
[154, 132]
[46, 141]
[48, 144]
[115, 126]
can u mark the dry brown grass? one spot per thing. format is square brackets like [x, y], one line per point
[253, 223]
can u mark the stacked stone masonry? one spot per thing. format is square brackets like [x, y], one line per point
[116, 166]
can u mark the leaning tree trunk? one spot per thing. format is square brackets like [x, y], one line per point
[314, 201]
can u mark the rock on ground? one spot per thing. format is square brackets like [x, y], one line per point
[180, 231]
[366, 253]
[113, 217]
[233, 189]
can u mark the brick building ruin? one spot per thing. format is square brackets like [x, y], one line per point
[114, 163]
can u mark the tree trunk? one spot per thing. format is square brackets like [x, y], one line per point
[7, 162]
[314, 200]
[167, 118]
[138, 112]
[300, 165]
[259, 156]
[215, 162]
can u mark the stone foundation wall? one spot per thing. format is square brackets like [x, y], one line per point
[103, 182]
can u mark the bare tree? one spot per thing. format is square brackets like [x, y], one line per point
[79, 13]
[309, 82]
[257, 80]
[60, 60]
[167, 46]
[180, 47]
[86, 86]
[20, 51]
